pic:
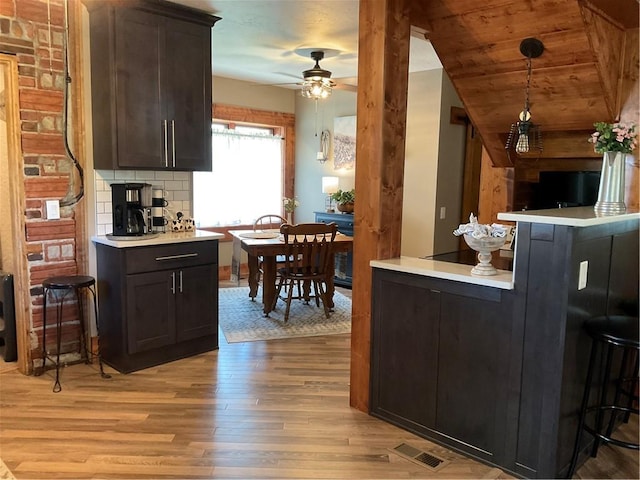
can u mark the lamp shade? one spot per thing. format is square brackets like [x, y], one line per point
[329, 185]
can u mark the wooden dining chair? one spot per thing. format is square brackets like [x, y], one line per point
[308, 259]
[264, 223]
[268, 222]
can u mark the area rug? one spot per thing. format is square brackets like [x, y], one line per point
[242, 320]
[5, 473]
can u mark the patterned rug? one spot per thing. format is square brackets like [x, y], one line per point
[242, 320]
[5, 473]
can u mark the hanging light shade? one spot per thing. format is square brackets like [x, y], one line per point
[524, 135]
[317, 82]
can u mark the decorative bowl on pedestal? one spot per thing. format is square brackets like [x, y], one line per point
[484, 246]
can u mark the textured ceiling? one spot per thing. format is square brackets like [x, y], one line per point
[256, 40]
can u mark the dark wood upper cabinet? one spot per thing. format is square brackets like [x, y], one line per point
[150, 86]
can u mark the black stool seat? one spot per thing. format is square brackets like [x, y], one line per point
[609, 332]
[619, 330]
[69, 281]
[65, 286]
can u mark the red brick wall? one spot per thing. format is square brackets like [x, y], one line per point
[50, 245]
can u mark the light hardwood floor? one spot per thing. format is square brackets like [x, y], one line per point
[276, 409]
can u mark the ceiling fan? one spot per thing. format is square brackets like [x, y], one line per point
[316, 82]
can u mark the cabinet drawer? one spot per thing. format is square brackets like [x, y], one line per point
[343, 221]
[177, 255]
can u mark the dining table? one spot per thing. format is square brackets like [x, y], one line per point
[267, 245]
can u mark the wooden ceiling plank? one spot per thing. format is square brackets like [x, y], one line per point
[607, 42]
[562, 48]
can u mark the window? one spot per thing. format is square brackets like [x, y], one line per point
[246, 177]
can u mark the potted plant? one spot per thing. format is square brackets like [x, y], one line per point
[345, 200]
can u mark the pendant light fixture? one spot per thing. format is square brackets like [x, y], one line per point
[524, 135]
[317, 82]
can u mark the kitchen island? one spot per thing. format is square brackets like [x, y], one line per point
[157, 297]
[495, 368]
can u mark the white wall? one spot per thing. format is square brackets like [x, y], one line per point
[451, 152]
[434, 159]
[421, 162]
[250, 95]
[309, 171]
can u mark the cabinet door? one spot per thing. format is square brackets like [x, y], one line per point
[187, 82]
[197, 302]
[140, 113]
[405, 352]
[473, 371]
[151, 306]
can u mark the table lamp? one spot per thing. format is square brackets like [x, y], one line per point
[329, 186]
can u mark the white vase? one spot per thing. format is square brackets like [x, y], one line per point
[611, 188]
[289, 218]
[484, 247]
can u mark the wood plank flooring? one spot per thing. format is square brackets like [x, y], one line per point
[276, 409]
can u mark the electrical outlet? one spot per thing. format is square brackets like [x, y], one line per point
[582, 276]
[443, 213]
[53, 209]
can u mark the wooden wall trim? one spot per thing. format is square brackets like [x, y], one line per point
[252, 115]
[383, 66]
[14, 256]
[286, 122]
[630, 112]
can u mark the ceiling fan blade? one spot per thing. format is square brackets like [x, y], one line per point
[284, 74]
[345, 86]
[275, 84]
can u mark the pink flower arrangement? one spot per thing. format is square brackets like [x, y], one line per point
[614, 137]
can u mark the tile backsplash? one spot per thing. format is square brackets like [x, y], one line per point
[176, 186]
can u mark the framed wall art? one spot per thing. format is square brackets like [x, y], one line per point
[344, 142]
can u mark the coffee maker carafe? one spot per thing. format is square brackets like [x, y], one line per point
[130, 202]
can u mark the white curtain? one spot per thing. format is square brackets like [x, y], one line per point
[245, 181]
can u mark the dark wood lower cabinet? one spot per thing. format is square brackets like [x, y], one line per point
[439, 366]
[157, 303]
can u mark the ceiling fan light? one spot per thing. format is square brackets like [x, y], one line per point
[316, 89]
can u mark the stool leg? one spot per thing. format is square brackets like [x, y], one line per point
[83, 334]
[632, 389]
[59, 309]
[583, 410]
[95, 311]
[603, 401]
[619, 386]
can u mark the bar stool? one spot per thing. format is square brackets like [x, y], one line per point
[609, 332]
[63, 287]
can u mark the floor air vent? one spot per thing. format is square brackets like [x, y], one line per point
[419, 456]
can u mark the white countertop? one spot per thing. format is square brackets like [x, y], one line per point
[446, 270]
[157, 239]
[572, 216]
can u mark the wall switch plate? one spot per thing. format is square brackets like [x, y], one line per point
[582, 276]
[53, 209]
[443, 213]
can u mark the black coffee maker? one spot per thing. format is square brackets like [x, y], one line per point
[130, 207]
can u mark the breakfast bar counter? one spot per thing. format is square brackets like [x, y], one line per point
[459, 272]
[495, 367]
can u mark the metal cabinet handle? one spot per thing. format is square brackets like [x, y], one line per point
[173, 141]
[166, 144]
[180, 282]
[174, 257]
[173, 282]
